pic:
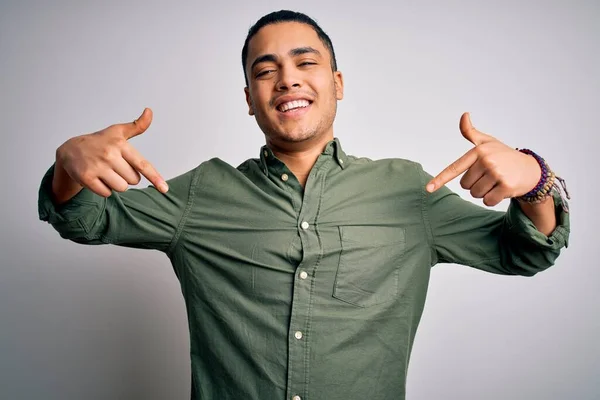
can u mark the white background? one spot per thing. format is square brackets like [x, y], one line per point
[102, 322]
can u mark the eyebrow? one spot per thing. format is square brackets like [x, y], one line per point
[294, 52]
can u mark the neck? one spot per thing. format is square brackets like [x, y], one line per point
[300, 157]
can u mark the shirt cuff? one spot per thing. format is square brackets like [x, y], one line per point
[66, 212]
[521, 225]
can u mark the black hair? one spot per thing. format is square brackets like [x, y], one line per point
[286, 16]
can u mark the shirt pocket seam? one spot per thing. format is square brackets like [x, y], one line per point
[346, 291]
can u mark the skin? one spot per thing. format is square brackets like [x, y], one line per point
[103, 161]
[288, 59]
[494, 171]
[275, 68]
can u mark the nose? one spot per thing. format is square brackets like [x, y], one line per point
[288, 79]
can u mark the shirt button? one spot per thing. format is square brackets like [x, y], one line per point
[341, 161]
[298, 335]
[304, 225]
[296, 398]
[303, 275]
[284, 177]
[266, 153]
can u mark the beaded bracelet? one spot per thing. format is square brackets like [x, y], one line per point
[546, 185]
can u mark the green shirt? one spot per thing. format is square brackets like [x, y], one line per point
[311, 293]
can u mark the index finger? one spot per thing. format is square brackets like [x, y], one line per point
[452, 171]
[144, 167]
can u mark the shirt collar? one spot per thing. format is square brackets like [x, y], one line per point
[332, 149]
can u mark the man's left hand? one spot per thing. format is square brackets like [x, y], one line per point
[494, 171]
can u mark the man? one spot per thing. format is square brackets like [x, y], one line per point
[305, 271]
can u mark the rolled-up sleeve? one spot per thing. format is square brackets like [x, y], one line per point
[140, 218]
[506, 243]
[69, 218]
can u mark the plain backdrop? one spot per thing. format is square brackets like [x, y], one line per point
[103, 322]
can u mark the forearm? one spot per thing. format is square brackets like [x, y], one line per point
[542, 215]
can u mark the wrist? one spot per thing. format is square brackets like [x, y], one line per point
[63, 186]
[542, 192]
[537, 205]
[545, 183]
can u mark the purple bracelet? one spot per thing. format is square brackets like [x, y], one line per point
[546, 173]
[546, 183]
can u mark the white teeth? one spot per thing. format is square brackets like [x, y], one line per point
[290, 105]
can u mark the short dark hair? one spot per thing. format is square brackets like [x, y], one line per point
[287, 16]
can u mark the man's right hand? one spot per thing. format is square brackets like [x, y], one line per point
[103, 161]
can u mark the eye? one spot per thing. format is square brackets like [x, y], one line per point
[307, 63]
[265, 72]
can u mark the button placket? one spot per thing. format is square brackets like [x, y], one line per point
[307, 220]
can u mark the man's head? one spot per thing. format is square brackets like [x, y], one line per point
[292, 80]
[287, 16]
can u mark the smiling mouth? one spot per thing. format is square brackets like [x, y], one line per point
[293, 105]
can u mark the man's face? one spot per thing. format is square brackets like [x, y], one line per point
[292, 90]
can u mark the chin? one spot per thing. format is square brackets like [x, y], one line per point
[295, 136]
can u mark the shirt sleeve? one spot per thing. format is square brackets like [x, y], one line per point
[140, 218]
[505, 243]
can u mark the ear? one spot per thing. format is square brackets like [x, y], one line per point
[338, 80]
[249, 101]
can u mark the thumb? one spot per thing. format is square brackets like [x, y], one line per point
[470, 133]
[139, 125]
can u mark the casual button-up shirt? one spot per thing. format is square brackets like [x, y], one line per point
[306, 293]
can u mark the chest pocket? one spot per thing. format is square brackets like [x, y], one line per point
[369, 267]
